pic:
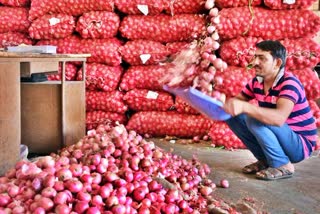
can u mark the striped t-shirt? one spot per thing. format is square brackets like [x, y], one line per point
[287, 86]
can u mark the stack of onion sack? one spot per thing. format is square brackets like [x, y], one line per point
[242, 26]
[14, 25]
[104, 103]
[154, 36]
[110, 171]
[94, 32]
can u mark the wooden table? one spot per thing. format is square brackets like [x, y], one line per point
[16, 65]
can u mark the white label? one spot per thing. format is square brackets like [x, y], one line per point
[143, 9]
[152, 95]
[289, 1]
[54, 21]
[145, 57]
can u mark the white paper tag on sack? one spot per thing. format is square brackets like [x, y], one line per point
[54, 21]
[145, 57]
[289, 1]
[144, 9]
[152, 95]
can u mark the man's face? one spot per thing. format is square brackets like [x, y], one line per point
[264, 63]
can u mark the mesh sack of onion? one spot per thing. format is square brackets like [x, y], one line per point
[102, 50]
[182, 107]
[297, 4]
[14, 39]
[14, 19]
[174, 7]
[52, 26]
[169, 123]
[140, 7]
[163, 28]
[39, 8]
[311, 82]
[68, 45]
[316, 111]
[147, 100]
[143, 77]
[143, 52]
[16, 3]
[237, 3]
[105, 101]
[222, 135]
[101, 77]
[70, 72]
[302, 52]
[251, 21]
[98, 24]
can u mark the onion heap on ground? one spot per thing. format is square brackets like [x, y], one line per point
[109, 171]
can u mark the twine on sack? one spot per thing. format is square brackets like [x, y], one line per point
[94, 23]
[171, 3]
[245, 52]
[252, 17]
[307, 54]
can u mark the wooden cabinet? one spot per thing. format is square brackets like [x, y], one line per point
[44, 115]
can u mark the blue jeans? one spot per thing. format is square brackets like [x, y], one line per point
[276, 145]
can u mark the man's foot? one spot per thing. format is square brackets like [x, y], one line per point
[254, 167]
[285, 171]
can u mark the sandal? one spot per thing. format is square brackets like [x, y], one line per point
[254, 167]
[274, 174]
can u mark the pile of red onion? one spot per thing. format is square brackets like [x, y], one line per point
[109, 171]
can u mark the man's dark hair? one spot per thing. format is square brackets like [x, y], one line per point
[276, 49]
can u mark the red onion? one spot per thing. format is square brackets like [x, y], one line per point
[74, 185]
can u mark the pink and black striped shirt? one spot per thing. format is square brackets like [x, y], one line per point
[301, 119]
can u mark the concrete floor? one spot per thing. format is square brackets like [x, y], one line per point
[299, 194]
